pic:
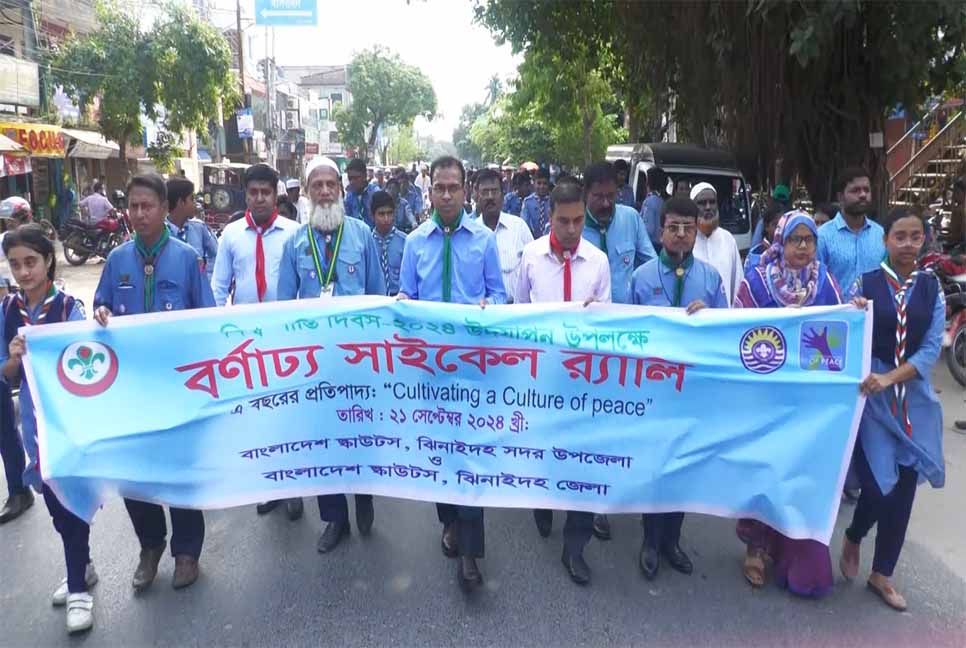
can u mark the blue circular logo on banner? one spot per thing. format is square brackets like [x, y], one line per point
[763, 349]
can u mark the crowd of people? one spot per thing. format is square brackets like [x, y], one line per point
[575, 241]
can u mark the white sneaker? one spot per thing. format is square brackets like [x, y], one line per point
[80, 612]
[60, 594]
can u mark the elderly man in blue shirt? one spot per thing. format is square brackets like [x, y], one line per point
[331, 255]
[453, 258]
[155, 273]
[185, 227]
[851, 244]
[616, 229]
[389, 240]
[536, 207]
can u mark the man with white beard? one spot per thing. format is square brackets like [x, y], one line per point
[715, 245]
[334, 255]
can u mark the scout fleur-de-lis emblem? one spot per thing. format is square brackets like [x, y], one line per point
[84, 360]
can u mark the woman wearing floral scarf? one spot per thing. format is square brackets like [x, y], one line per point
[788, 275]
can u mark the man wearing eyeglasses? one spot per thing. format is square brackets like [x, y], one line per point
[679, 280]
[453, 258]
[715, 245]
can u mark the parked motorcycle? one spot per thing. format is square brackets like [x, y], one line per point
[83, 240]
[952, 279]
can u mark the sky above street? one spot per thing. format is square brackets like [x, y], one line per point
[437, 36]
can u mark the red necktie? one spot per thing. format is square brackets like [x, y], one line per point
[558, 249]
[260, 283]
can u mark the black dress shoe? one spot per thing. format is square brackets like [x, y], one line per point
[576, 567]
[450, 540]
[468, 573]
[544, 520]
[15, 505]
[602, 527]
[293, 508]
[364, 515]
[678, 559]
[266, 507]
[332, 536]
[650, 561]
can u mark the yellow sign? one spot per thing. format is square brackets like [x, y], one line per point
[40, 140]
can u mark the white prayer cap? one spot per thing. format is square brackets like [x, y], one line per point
[321, 161]
[292, 183]
[701, 186]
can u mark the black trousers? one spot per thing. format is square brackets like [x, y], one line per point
[335, 508]
[470, 520]
[662, 530]
[11, 445]
[75, 535]
[187, 527]
[891, 511]
[577, 530]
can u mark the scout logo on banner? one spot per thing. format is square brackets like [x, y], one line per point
[40, 140]
[609, 409]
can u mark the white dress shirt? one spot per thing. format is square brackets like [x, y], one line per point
[236, 261]
[720, 251]
[512, 235]
[541, 274]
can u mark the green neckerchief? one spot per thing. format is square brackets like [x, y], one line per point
[680, 271]
[591, 222]
[150, 255]
[447, 252]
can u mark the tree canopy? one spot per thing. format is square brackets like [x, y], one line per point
[385, 92]
[177, 72]
[790, 87]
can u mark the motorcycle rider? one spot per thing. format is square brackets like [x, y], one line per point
[96, 207]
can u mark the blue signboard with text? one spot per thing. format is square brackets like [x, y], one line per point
[286, 13]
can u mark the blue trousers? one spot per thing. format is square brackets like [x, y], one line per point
[470, 518]
[75, 534]
[187, 527]
[891, 511]
[335, 508]
[11, 445]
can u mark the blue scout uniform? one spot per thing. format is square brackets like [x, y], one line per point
[536, 213]
[512, 203]
[179, 284]
[196, 234]
[302, 274]
[628, 246]
[357, 269]
[390, 257]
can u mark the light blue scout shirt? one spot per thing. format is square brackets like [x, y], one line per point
[357, 205]
[179, 283]
[533, 207]
[628, 246]
[390, 257]
[651, 215]
[357, 267]
[28, 420]
[415, 198]
[196, 234]
[654, 285]
[236, 261]
[848, 255]
[512, 203]
[476, 264]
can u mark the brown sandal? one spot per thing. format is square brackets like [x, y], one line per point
[889, 595]
[755, 568]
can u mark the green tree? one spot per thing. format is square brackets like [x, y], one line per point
[465, 146]
[403, 146]
[385, 92]
[175, 73]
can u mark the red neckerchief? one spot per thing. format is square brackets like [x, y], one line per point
[558, 249]
[260, 282]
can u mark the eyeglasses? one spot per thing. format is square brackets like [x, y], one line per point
[451, 189]
[806, 241]
[680, 228]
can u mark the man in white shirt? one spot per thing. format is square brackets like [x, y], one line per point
[96, 206]
[558, 267]
[512, 233]
[715, 245]
[423, 182]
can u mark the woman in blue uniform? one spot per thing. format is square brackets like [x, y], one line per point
[34, 264]
[900, 434]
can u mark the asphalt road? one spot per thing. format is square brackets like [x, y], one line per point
[263, 583]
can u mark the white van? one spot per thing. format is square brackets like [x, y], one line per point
[687, 165]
